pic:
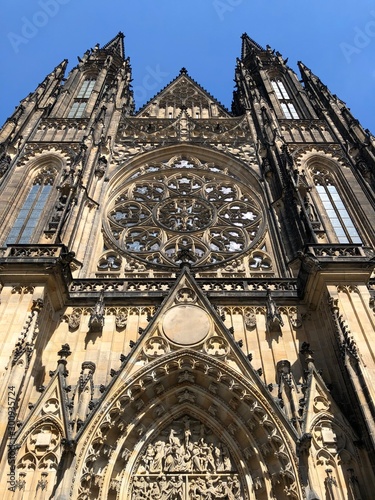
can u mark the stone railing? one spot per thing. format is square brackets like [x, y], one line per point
[163, 285]
[32, 251]
[340, 251]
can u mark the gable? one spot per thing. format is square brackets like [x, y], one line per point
[183, 93]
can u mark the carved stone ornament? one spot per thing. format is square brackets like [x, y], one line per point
[101, 166]
[155, 347]
[329, 436]
[5, 160]
[121, 320]
[250, 320]
[74, 319]
[51, 407]
[186, 460]
[321, 404]
[217, 346]
[96, 321]
[273, 317]
[186, 295]
[43, 439]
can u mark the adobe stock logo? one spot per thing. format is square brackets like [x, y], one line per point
[224, 6]
[151, 80]
[361, 40]
[31, 25]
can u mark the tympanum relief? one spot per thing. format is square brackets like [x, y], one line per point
[186, 461]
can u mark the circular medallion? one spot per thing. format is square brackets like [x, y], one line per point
[186, 324]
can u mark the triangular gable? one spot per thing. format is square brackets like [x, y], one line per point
[320, 404]
[186, 322]
[184, 93]
[51, 406]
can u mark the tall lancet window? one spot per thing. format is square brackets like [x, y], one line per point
[286, 103]
[337, 213]
[30, 214]
[80, 102]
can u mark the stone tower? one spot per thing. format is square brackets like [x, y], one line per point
[187, 292]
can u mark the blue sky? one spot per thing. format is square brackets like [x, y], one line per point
[336, 39]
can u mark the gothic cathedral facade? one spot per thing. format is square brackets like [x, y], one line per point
[187, 292]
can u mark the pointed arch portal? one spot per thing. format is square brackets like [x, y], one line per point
[187, 426]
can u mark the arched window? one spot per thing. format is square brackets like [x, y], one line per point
[337, 213]
[286, 103]
[80, 102]
[29, 216]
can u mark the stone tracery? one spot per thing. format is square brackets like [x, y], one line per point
[198, 210]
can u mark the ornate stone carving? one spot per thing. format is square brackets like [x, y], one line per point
[186, 295]
[43, 439]
[121, 320]
[186, 396]
[96, 321]
[273, 318]
[164, 284]
[23, 289]
[217, 346]
[24, 347]
[250, 320]
[101, 166]
[51, 407]
[186, 460]
[74, 319]
[110, 262]
[186, 376]
[5, 160]
[155, 347]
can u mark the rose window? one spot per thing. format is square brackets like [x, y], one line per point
[184, 214]
[200, 216]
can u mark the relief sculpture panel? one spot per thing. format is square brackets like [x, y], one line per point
[186, 461]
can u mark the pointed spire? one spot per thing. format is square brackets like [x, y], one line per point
[56, 74]
[306, 72]
[248, 45]
[59, 71]
[116, 44]
[314, 83]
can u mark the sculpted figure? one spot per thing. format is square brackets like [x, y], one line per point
[148, 457]
[176, 488]
[157, 463]
[164, 487]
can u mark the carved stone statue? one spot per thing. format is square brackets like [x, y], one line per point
[96, 321]
[274, 319]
